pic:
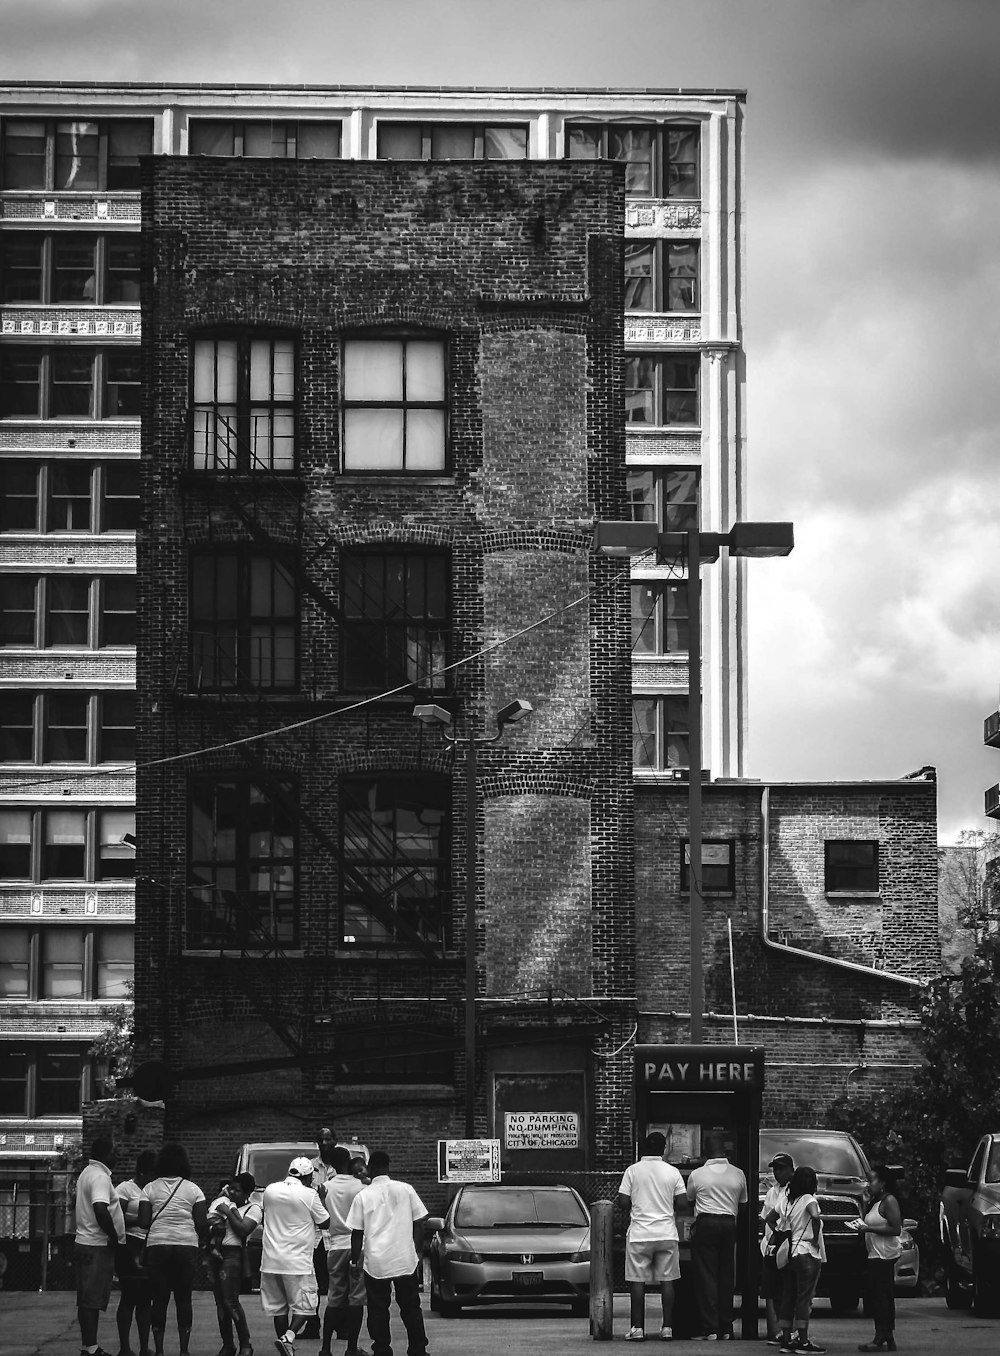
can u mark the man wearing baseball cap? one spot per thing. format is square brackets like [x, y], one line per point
[782, 1167]
[292, 1213]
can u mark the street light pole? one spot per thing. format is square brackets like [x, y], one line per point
[437, 715]
[743, 539]
[697, 1004]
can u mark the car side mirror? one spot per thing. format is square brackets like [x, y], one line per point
[434, 1223]
[956, 1177]
[910, 1224]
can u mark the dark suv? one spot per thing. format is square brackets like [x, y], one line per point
[842, 1172]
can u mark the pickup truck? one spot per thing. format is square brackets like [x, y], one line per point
[970, 1230]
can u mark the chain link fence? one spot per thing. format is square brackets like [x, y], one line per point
[36, 1229]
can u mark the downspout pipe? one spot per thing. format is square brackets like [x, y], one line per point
[783, 947]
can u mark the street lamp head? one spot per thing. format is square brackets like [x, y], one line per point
[761, 539]
[430, 714]
[625, 538]
[513, 712]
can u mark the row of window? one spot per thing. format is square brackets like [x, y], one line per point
[850, 866]
[69, 269]
[43, 1080]
[243, 864]
[86, 269]
[72, 844]
[61, 962]
[67, 727]
[51, 611]
[93, 154]
[70, 383]
[74, 153]
[394, 406]
[69, 496]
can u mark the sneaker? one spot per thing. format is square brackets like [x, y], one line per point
[810, 1346]
[284, 1346]
[635, 1335]
[666, 1334]
[790, 1345]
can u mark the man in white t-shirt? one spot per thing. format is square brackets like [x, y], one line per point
[650, 1190]
[718, 1189]
[99, 1226]
[293, 1212]
[345, 1303]
[386, 1220]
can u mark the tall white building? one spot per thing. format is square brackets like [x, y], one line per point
[70, 400]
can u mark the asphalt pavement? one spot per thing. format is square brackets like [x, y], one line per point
[45, 1325]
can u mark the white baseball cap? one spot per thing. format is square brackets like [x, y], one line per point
[300, 1167]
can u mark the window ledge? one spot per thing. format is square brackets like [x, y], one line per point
[386, 953]
[853, 894]
[657, 430]
[236, 953]
[364, 478]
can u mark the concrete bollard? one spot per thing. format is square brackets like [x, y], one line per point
[602, 1292]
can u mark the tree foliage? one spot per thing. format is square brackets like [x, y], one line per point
[115, 1044]
[954, 1098]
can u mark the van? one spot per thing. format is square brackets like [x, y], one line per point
[268, 1161]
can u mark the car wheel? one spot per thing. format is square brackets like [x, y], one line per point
[434, 1301]
[580, 1308]
[844, 1302]
[957, 1291]
[985, 1300]
[449, 1308]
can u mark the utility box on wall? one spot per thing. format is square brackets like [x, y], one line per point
[690, 1091]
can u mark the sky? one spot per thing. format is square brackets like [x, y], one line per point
[873, 324]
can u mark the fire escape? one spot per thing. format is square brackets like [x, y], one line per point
[250, 678]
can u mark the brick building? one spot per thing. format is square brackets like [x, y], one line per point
[422, 419]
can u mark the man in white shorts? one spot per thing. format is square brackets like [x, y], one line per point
[293, 1212]
[650, 1190]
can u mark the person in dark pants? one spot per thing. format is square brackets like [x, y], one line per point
[133, 1278]
[240, 1216]
[173, 1212]
[717, 1189]
[386, 1220]
[881, 1227]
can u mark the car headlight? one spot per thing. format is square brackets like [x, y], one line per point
[582, 1256]
[459, 1256]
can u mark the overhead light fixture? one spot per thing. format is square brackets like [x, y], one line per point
[514, 711]
[430, 714]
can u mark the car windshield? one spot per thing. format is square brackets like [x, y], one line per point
[831, 1155]
[271, 1165]
[512, 1206]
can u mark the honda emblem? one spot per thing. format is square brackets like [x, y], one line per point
[527, 1258]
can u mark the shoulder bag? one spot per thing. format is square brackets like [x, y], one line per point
[145, 1241]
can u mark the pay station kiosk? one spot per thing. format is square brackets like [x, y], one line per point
[687, 1092]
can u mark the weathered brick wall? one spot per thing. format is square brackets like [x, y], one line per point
[792, 996]
[519, 265]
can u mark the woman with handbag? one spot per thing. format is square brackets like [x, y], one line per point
[881, 1228]
[782, 1166]
[174, 1214]
[800, 1218]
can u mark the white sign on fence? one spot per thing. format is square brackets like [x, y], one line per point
[468, 1160]
[542, 1129]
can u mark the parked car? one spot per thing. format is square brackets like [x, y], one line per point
[969, 1214]
[504, 1244]
[842, 1178]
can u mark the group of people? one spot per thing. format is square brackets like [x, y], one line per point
[150, 1228]
[654, 1192]
[791, 1212]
